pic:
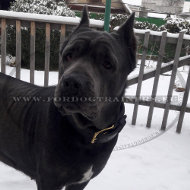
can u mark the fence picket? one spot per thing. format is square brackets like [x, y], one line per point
[156, 104]
[184, 105]
[140, 78]
[3, 45]
[32, 51]
[172, 80]
[47, 55]
[168, 67]
[18, 48]
[21, 21]
[62, 37]
[156, 79]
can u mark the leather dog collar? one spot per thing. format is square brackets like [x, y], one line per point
[92, 135]
[109, 133]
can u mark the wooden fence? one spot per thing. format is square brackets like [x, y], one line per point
[164, 38]
[62, 24]
[34, 21]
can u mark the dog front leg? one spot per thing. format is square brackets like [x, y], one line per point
[79, 186]
[49, 184]
[48, 187]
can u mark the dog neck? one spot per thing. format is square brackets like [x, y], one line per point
[93, 134]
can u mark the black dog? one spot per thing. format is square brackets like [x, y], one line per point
[5, 4]
[63, 136]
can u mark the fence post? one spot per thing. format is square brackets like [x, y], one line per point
[18, 48]
[140, 78]
[184, 104]
[172, 80]
[156, 79]
[3, 45]
[47, 55]
[62, 37]
[32, 51]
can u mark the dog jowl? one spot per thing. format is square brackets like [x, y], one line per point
[67, 143]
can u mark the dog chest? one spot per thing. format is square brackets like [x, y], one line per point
[87, 175]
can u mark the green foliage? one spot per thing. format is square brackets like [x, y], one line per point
[157, 21]
[47, 7]
[145, 25]
[176, 25]
[51, 7]
[170, 25]
[117, 20]
[96, 16]
[40, 47]
[155, 24]
[41, 7]
[140, 23]
[153, 50]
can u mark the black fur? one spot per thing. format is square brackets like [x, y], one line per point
[46, 137]
[5, 4]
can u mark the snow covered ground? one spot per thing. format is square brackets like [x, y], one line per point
[160, 164]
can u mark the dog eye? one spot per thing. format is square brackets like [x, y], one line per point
[107, 65]
[68, 57]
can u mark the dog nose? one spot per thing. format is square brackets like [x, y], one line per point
[72, 86]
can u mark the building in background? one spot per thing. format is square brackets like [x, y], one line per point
[186, 7]
[163, 6]
[117, 6]
[186, 10]
[134, 5]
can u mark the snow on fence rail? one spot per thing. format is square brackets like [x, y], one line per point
[62, 24]
[172, 37]
[53, 19]
[34, 21]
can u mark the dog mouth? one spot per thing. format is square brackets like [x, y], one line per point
[88, 110]
[75, 93]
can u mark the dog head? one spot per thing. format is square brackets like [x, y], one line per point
[95, 68]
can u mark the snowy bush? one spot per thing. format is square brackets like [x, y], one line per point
[117, 20]
[176, 25]
[49, 7]
[172, 25]
[145, 25]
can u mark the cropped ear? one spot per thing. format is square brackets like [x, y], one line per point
[84, 20]
[125, 31]
[127, 37]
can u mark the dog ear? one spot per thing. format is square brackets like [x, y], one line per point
[127, 36]
[85, 19]
[126, 29]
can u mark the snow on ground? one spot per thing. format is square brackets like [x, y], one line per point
[160, 164]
